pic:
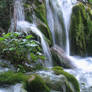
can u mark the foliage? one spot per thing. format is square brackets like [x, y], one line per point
[5, 14]
[20, 49]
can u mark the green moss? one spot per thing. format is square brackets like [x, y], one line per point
[38, 9]
[36, 84]
[57, 68]
[70, 77]
[33, 83]
[80, 30]
[19, 47]
[12, 78]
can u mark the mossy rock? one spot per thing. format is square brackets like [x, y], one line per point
[11, 78]
[32, 83]
[69, 77]
[81, 30]
[38, 10]
[60, 59]
[36, 84]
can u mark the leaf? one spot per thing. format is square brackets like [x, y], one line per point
[29, 37]
[42, 57]
[6, 35]
[1, 38]
[11, 49]
[33, 57]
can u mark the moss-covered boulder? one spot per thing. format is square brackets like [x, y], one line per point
[32, 83]
[35, 11]
[36, 84]
[43, 81]
[59, 80]
[81, 30]
[59, 58]
[71, 79]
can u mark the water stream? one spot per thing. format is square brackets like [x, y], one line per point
[83, 72]
[59, 17]
[20, 24]
[14, 88]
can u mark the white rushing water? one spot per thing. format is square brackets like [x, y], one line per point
[83, 71]
[59, 10]
[18, 10]
[55, 22]
[15, 88]
[66, 6]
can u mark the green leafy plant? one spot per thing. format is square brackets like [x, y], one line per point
[20, 49]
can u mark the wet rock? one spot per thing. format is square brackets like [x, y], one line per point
[59, 82]
[60, 58]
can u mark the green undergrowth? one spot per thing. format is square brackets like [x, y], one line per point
[20, 49]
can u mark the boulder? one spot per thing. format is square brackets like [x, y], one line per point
[60, 81]
[36, 84]
[60, 58]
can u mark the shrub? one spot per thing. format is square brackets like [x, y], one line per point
[20, 49]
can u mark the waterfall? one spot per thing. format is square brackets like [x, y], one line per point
[55, 22]
[26, 27]
[20, 24]
[66, 6]
[63, 8]
[18, 14]
[58, 15]
[18, 10]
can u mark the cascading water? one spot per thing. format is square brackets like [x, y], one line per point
[55, 22]
[18, 10]
[57, 12]
[26, 26]
[66, 6]
[58, 15]
[19, 24]
[83, 72]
